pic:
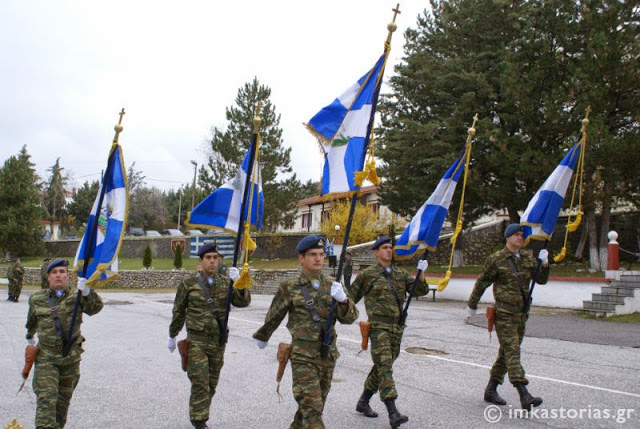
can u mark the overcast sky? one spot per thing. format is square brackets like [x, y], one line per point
[70, 66]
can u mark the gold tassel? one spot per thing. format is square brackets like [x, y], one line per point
[444, 282]
[373, 175]
[560, 256]
[251, 245]
[572, 226]
[454, 237]
[244, 281]
[361, 175]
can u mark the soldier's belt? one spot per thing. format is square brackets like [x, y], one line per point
[202, 336]
[384, 319]
[509, 307]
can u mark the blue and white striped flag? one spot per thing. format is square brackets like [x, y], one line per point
[342, 129]
[221, 209]
[102, 238]
[424, 229]
[541, 215]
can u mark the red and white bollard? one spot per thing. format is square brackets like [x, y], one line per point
[613, 252]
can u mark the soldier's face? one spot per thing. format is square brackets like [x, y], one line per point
[312, 261]
[209, 263]
[384, 253]
[58, 278]
[515, 240]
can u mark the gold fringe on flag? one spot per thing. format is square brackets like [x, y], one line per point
[577, 185]
[471, 132]
[369, 171]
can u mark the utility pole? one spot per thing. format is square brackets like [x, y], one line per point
[193, 190]
[179, 208]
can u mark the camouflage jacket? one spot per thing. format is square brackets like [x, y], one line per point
[15, 273]
[497, 271]
[40, 320]
[191, 305]
[381, 305]
[348, 267]
[307, 341]
[222, 269]
[44, 277]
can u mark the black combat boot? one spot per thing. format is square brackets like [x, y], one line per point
[363, 404]
[395, 418]
[526, 400]
[199, 424]
[491, 393]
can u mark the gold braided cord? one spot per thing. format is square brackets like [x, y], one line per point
[470, 133]
[577, 185]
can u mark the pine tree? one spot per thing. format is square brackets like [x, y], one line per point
[177, 256]
[54, 198]
[20, 214]
[80, 207]
[146, 259]
[228, 147]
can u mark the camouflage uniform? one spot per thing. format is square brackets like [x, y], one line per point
[206, 353]
[222, 269]
[44, 277]
[15, 275]
[311, 374]
[510, 319]
[348, 270]
[384, 314]
[55, 376]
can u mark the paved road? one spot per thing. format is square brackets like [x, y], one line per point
[129, 379]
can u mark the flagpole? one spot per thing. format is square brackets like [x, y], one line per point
[90, 246]
[242, 220]
[326, 341]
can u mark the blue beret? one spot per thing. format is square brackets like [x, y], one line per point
[57, 263]
[380, 241]
[313, 241]
[512, 229]
[207, 248]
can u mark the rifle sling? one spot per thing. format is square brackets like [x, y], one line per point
[312, 308]
[58, 324]
[514, 270]
[210, 301]
[387, 276]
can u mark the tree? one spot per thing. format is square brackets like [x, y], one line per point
[80, 207]
[147, 207]
[309, 189]
[228, 147]
[146, 258]
[365, 226]
[55, 194]
[135, 179]
[20, 230]
[177, 256]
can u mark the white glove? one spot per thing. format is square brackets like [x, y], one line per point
[82, 288]
[171, 344]
[422, 265]
[261, 344]
[544, 256]
[337, 292]
[471, 311]
[234, 274]
[31, 341]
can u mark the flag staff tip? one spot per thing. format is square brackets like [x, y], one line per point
[257, 119]
[118, 128]
[392, 26]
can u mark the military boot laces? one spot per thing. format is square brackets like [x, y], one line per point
[491, 393]
[526, 400]
[395, 418]
[363, 404]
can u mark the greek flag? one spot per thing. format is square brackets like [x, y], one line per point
[102, 238]
[221, 209]
[343, 129]
[539, 219]
[424, 229]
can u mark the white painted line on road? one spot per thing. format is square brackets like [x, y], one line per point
[554, 380]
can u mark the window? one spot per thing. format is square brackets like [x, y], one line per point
[307, 220]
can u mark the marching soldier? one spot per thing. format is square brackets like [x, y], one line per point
[15, 274]
[44, 282]
[384, 288]
[348, 269]
[222, 268]
[50, 311]
[510, 272]
[202, 301]
[307, 300]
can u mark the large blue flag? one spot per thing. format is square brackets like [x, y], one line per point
[342, 128]
[424, 229]
[221, 209]
[102, 238]
[541, 215]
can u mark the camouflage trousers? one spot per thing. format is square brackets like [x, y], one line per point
[15, 289]
[311, 385]
[204, 362]
[510, 329]
[385, 348]
[53, 385]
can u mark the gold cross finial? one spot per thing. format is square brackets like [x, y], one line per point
[256, 118]
[118, 127]
[392, 26]
[396, 11]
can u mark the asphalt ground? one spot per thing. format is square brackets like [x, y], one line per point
[587, 372]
